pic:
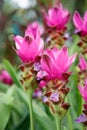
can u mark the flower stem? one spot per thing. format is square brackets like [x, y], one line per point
[58, 122]
[69, 120]
[31, 111]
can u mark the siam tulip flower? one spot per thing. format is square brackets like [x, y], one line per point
[5, 77]
[82, 63]
[54, 71]
[57, 17]
[83, 90]
[31, 45]
[80, 24]
[55, 64]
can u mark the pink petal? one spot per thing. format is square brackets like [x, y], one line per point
[77, 20]
[82, 63]
[48, 64]
[83, 91]
[41, 45]
[85, 17]
[65, 20]
[70, 61]
[53, 15]
[18, 41]
[32, 30]
[62, 58]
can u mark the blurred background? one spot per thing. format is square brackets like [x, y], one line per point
[15, 15]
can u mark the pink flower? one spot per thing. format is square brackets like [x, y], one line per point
[82, 63]
[31, 45]
[5, 77]
[80, 24]
[55, 63]
[57, 17]
[83, 90]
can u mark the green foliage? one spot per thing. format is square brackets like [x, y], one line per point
[12, 72]
[47, 123]
[5, 109]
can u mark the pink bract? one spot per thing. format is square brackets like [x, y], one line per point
[5, 77]
[55, 63]
[80, 24]
[57, 17]
[31, 45]
[82, 63]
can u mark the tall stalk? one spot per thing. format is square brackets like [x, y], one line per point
[30, 110]
[58, 122]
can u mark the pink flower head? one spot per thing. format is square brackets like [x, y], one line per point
[82, 63]
[34, 26]
[57, 17]
[55, 63]
[83, 90]
[5, 77]
[80, 24]
[31, 46]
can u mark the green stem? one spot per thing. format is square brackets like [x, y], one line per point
[69, 120]
[58, 122]
[31, 111]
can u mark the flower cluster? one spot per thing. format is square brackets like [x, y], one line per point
[81, 30]
[57, 17]
[53, 61]
[47, 70]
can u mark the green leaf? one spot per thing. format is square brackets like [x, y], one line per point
[20, 113]
[5, 110]
[39, 112]
[75, 100]
[12, 72]
[43, 119]
[22, 95]
[3, 87]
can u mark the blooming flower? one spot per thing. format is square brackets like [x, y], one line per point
[80, 24]
[55, 63]
[83, 90]
[57, 17]
[82, 63]
[5, 77]
[31, 45]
